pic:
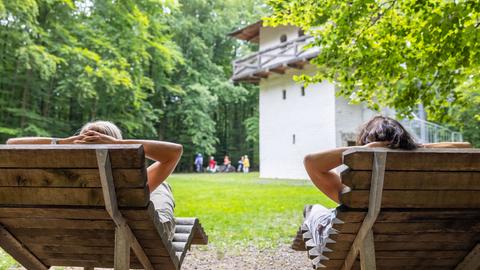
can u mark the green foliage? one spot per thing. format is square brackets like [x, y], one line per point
[6, 262]
[159, 69]
[207, 116]
[65, 63]
[393, 53]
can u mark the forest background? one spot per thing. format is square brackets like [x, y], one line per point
[159, 69]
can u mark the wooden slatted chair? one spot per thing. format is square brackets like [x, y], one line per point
[407, 210]
[85, 206]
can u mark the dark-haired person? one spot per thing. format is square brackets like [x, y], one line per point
[380, 131]
[166, 156]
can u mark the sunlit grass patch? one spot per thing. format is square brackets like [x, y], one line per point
[240, 209]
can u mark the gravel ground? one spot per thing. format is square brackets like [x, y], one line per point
[209, 258]
[249, 259]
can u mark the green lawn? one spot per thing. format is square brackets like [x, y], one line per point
[239, 210]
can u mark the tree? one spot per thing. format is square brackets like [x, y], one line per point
[208, 112]
[67, 62]
[395, 53]
[160, 69]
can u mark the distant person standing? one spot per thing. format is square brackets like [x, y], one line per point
[199, 163]
[212, 165]
[226, 163]
[246, 164]
[240, 164]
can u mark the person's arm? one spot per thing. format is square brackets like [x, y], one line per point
[319, 167]
[165, 154]
[44, 140]
[448, 145]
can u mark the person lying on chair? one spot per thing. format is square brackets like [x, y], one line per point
[380, 131]
[165, 154]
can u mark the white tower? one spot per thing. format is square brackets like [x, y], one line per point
[294, 120]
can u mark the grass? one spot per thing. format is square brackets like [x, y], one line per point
[238, 210]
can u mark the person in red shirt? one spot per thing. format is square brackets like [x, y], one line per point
[212, 165]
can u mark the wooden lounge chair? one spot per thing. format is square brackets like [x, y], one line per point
[407, 210]
[85, 206]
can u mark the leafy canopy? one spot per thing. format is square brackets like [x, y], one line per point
[394, 53]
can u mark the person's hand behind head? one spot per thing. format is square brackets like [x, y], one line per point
[72, 139]
[94, 137]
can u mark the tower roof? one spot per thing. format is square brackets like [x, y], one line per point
[248, 33]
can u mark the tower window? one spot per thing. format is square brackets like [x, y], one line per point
[293, 139]
[303, 91]
[283, 38]
[301, 33]
[284, 94]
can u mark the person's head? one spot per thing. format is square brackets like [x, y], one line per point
[246, 157]
[211, 157]
[104, 127]
[386, 129]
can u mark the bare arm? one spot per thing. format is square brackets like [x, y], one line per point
[165, 154]
[44, 140]
[319, 167]
[448, 145]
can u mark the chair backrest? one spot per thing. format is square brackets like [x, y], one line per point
[424, 178]
[66, 175]
[52, 209]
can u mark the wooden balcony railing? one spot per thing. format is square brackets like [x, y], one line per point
[275, 59]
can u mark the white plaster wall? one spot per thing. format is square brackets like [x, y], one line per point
[311, 118]
[270, 36]
[349, 118]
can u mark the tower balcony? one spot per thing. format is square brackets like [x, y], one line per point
[276, 59]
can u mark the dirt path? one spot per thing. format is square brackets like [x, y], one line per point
[282, 258]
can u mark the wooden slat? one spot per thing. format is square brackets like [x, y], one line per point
[103, 264]
[446, 254]
[406, 246]
[137, 214]
[123, 178]
[69, 156]
[449, 226]
[415, 199]
[85, 249]
[15, 248]
[86, 233]
[70, 224]
[411, 263]
[412, 215]
[471, 260]
[414, 180]
[134, 197]
[418, 160]
[96, 257]
[418, 237]
[81, 241]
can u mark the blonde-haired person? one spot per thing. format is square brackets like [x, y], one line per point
[165, 154]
